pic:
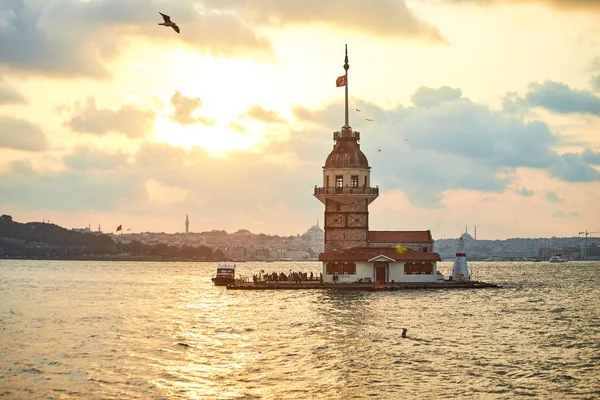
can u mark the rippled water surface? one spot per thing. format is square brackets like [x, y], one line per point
[108, 330]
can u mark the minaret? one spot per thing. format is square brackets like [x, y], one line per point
[187, 224]
[475, 232]
[346, 190]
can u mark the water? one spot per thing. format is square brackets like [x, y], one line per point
[117, 330]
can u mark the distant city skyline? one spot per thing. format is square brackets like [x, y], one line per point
[465, 112]
[133, 230]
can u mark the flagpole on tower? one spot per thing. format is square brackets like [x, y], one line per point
[346, 67]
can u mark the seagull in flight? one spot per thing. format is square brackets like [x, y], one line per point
[357, 109]
[368, 119]
[379, 150]
[168, 22]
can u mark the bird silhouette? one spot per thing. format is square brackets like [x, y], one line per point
[404, 332]
[357, 109]
[369, 119]
[168, 22]
[379, 150]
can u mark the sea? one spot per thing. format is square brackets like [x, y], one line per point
[161, 330]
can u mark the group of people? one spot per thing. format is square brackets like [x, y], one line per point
[292, 276]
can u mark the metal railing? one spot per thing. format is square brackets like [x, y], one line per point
[346, 134]
[347, 190]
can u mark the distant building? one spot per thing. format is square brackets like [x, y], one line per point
[238, 253]
[187, 224]
[315, 238]
[352, 251]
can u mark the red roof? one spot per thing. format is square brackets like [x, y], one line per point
[367, 253]
[400, 236]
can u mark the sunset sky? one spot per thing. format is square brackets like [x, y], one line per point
[487, 113]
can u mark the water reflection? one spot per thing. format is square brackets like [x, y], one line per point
[160, 330]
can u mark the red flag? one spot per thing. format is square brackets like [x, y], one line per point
[119, 228]
[340, 81]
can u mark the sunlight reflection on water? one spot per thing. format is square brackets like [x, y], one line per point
[161, 330]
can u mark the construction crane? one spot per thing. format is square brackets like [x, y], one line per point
[586, 233]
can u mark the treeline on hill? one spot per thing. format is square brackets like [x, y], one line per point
[44, 240]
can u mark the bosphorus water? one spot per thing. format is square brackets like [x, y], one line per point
[119, 330]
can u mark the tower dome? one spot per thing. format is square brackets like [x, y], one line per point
[346, 153]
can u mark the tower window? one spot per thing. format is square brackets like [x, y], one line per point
[354, 181]
[327, 178]
[365, 184]
[339, 183]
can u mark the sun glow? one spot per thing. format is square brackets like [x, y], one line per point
[216, 138]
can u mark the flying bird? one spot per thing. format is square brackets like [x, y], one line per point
[168, 22]
[379, 150]
[357, 109]
[369, 119]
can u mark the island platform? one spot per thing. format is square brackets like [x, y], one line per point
[367, 287]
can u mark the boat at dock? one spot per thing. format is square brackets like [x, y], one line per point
[225, 275]
[557, 259]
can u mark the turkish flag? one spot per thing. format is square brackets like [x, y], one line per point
[119, 228]
[340, 81]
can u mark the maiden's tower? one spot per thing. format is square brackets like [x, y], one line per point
[353, 253]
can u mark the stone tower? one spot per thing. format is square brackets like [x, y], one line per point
[346, 190]
[187, 224]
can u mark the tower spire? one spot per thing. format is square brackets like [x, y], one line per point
[346, 67]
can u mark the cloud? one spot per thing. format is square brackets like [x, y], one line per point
[575, 167]
[89, 158]
[513, 104]
[427, 97]
[386, 18]
[206, 121]
[8, 95]
[584, 5]
[19, 134]
[70, 191]
[450, 142]
[267, 116]
[562, 214]
[553, 198]
[446, 142]
[72, 38]
[596, 83]
[524, 192]
[560, 98]
[237, 128]
[184, 107]
[591, 157]
[128, 120]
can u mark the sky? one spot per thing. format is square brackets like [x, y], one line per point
[486, 113]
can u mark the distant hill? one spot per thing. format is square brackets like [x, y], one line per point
[515, 247]
[41, 239]
[38, 240]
